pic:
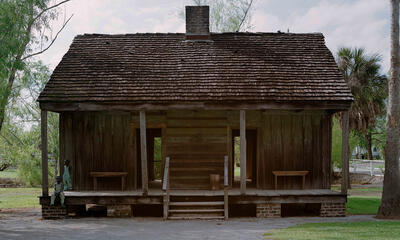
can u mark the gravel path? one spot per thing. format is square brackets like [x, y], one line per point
[26, 224]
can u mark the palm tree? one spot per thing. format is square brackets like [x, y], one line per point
[369, 88]
[390, 207]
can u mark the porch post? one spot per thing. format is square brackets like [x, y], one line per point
[143, 152]
[345, 152]
[45, 180]
[242, 151]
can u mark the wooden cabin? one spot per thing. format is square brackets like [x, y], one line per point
[197, 124]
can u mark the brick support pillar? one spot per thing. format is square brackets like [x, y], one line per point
[54, 212]
[333, 209]
[268, 210]
[119, 211]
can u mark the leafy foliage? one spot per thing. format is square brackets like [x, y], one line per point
[337, 144]
[369, 88]
[20, 138]
[25, 32]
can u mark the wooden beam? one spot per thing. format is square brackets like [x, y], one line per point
[143, 152]
[345, 152]
[242, 152]
[229, 150]
[226, 186]
[61, 136]
[117, 106]
[45, 171]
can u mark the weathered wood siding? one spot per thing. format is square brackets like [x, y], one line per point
[99, 142]
[295, 141]
[196, 142]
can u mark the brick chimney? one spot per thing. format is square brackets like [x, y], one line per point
[197, 22]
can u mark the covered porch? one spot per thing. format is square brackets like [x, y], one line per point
[255, 203]
[195, 144]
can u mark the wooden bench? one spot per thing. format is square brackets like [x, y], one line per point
[96, 175]
[289, 174]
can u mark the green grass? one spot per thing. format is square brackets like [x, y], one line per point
[237, 172]
[347, 230]
[19, 197]
[359, 190]
[363, 205]
[8, 174]
[367, 189]
[362, 200]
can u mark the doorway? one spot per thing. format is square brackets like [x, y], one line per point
[251, 157]
[154, 159]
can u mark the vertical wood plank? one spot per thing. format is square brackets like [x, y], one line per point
[264, 171]
[329, 153]
[163, 147]
[345, 152]
[45, 176]
[326, 150]
[308, 148]
[242, 152]
[260, 150]
[229, 149]
[143, 151]
[61, 137]
[134, 156]
[226, 186]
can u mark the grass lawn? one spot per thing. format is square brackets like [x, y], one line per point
[363, 205]
[350, 230]
[362, 200]
[19, 197]
[237, 172]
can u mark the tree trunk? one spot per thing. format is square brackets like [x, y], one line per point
[369, 146]
[390, 207]
[4, 99]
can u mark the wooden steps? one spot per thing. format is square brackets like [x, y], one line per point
[196, 208]
[194, 218]
[195, 203]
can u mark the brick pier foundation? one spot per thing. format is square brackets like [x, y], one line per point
[54, 212]
[268, 210]
[333, 209]
[119, 211]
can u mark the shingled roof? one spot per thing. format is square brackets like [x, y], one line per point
[166, 68]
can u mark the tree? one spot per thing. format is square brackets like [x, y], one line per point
[390, 206]
[369, 88]
[25, 33]
[228, 15]
[20, 138]
[337, 144]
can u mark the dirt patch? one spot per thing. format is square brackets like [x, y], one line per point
[19, 213]
[27, 224]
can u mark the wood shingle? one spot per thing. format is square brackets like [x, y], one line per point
[166, 68]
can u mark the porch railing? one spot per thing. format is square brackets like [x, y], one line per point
[226, 186]
[165, 188]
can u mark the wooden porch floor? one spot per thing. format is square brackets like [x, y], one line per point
[231, 192]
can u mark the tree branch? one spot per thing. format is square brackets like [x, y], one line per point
[245, 15]
[47, 9]
[51, 43]
[7, 141]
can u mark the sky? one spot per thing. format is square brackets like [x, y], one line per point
[344, 23]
